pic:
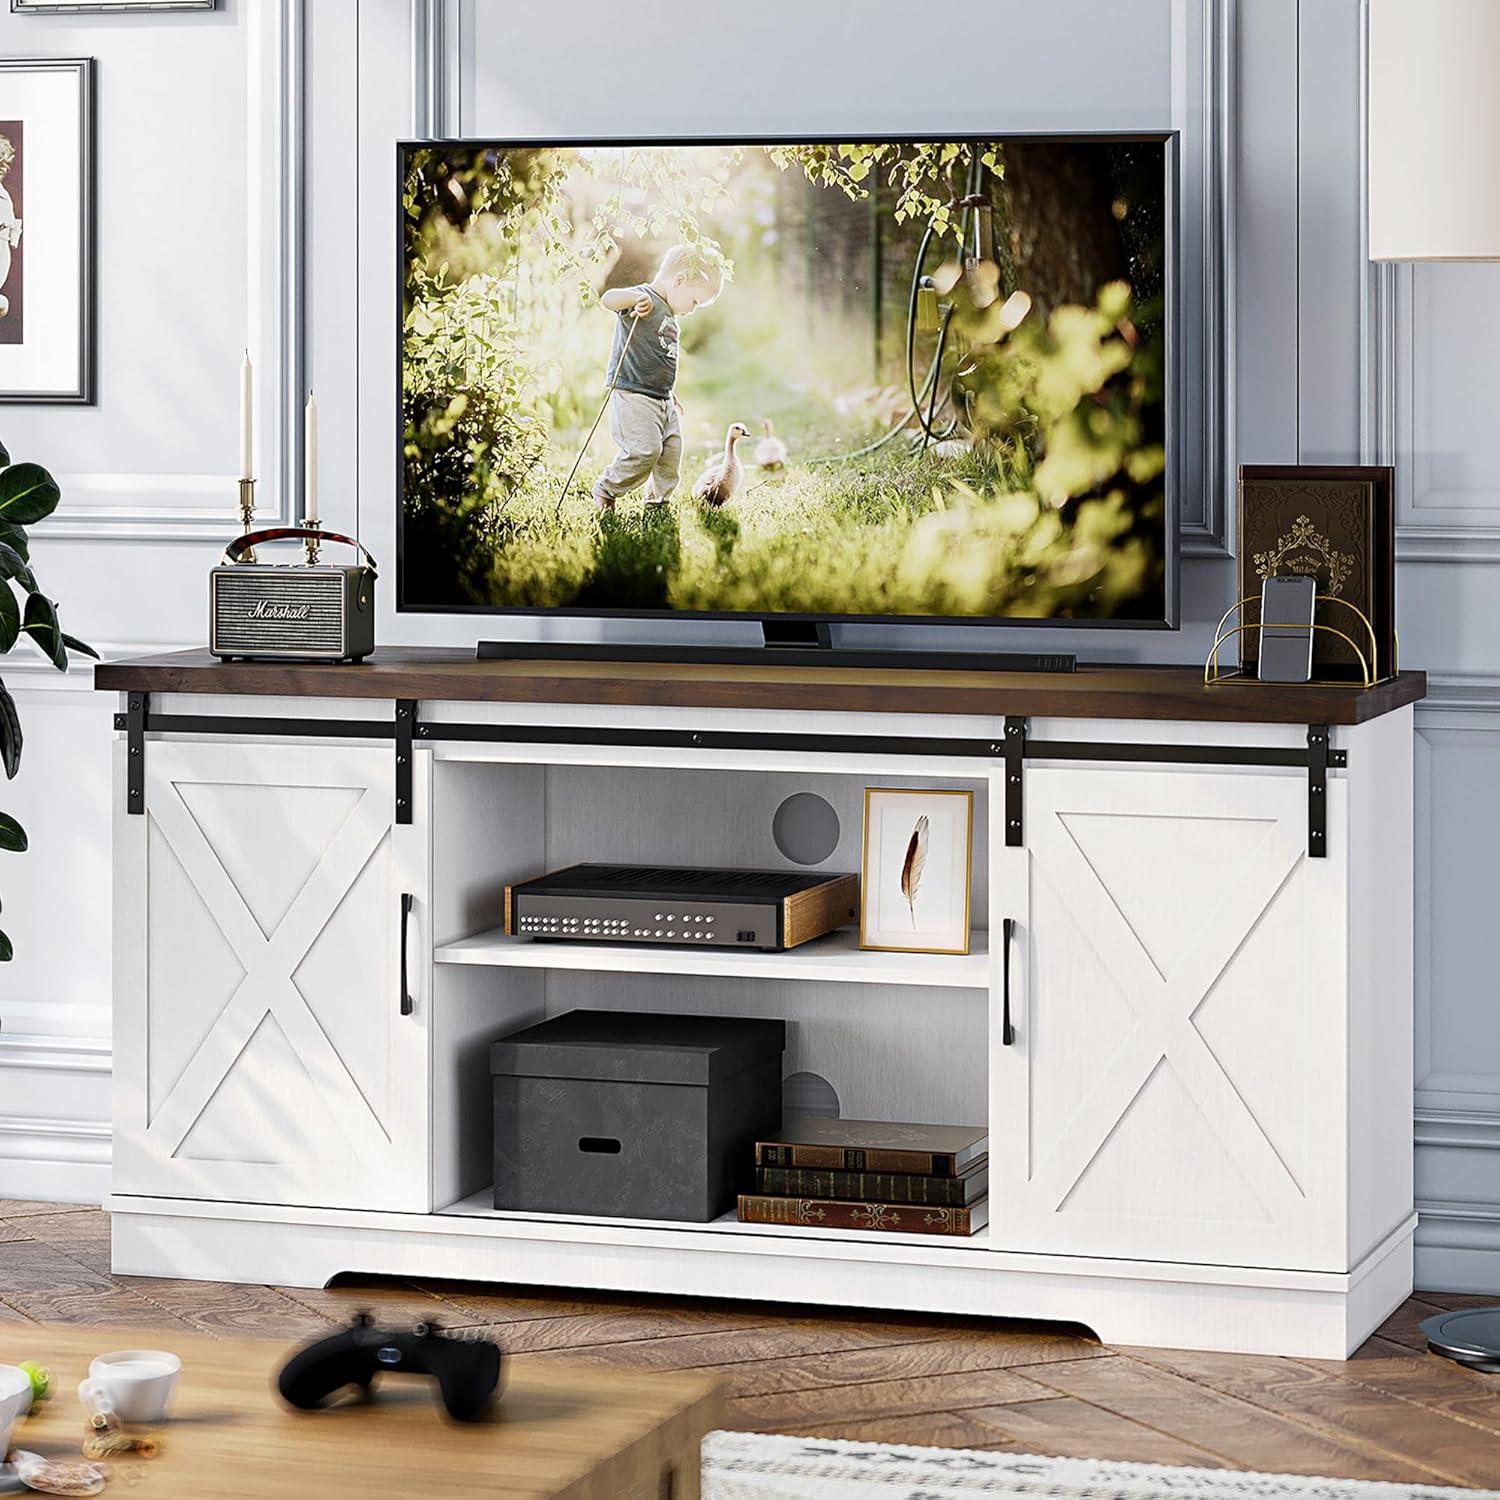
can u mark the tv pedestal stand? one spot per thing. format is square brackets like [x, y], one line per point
[784, 643]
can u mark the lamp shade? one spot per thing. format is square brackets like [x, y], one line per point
[1434, 129]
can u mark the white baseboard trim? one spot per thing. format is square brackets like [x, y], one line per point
[54, 1161]
[1458, 1248]
[54, 1117]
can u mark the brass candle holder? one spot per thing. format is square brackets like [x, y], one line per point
[247, 515]
[311, 544]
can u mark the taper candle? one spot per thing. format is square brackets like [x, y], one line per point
[310, 444]
[247, 445]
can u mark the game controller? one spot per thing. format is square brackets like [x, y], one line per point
[467, 1371]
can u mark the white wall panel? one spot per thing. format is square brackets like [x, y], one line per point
[194, 258]
[199, 166]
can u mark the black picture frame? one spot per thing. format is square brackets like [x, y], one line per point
[83, 392]
[103, 7]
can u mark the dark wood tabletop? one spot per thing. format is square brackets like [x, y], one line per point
[453, 675]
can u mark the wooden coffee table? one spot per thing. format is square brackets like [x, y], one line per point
[581, 1432]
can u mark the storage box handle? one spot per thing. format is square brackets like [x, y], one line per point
[600, 1145]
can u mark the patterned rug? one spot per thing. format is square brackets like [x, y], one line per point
[748, 1466]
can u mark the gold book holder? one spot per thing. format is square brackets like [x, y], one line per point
[1370, 665]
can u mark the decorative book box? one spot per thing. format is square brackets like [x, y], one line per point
[623, 1115]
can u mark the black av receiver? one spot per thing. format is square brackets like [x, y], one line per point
[768, 909]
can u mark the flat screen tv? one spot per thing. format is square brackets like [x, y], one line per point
[917, 380]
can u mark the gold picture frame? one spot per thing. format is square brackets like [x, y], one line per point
[898, 867]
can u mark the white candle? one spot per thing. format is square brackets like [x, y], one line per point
[247, 378]
[310, 444]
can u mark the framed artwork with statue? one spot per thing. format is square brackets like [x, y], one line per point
[47, 230]
[1334, 523]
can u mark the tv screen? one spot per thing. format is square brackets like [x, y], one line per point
[922, 380]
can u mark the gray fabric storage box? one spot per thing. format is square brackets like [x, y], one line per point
[633, 1116]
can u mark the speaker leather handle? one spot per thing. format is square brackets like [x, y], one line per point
[242, 544]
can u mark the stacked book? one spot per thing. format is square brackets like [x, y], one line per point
[871, 1174]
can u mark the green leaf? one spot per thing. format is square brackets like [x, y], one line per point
[10, 733]
[6, 951]
[12, 835]
[4, 455]
[13, 565]
[10, 618]
[27, 493]
[41, 625]
[13, 536]
[74, 644]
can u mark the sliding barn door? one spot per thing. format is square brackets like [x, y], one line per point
[261, 1050]
[1176, 1085]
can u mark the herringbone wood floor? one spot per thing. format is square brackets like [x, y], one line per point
[1393, 1412]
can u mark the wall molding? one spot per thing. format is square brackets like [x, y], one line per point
[1461, 704]
[52, 1053]
[54, 1161]
[62, 1157]
[1460, 692]
[1457, 1247]
[1204, 92]
[1386, 342]
[437, 49]
[1210, 31]
[1459, 1129]
[168, 507]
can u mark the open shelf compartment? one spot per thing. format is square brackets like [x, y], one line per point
[870, 1034]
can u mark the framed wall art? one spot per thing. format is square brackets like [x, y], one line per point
[101, 7]
[914, 887]
[47, 230]
[1335, 523]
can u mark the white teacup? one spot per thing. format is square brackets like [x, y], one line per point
[136, 1384]
[15, 1399]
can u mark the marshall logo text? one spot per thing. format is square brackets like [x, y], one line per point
[264, 609]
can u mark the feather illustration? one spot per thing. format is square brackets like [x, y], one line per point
[913, 865]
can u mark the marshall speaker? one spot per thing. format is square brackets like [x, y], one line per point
[312, 611]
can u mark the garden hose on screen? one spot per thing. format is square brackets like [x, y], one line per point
[928, 390]
[609, 391]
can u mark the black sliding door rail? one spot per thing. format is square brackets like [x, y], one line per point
[1014, 748]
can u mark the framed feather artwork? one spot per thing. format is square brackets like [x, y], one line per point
[915, 879]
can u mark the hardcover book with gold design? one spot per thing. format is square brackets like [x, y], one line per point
[1337, 525]
[893, 1218]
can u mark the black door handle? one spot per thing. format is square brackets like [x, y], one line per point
[407, 900]
[1007, 1031]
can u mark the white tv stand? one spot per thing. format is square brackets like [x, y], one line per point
[1200, 1135]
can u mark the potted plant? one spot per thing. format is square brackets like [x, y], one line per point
[28, 494]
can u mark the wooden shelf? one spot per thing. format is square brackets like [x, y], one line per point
[448, 674]
[835, 959]
[772, 1239]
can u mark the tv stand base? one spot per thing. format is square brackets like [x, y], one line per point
[773, 655]
[1308, 1314]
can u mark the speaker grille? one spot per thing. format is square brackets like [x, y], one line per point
[275, 611]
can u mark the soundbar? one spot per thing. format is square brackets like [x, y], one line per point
[687, 908]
